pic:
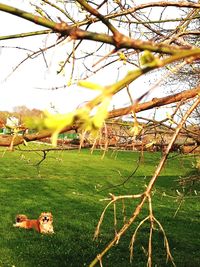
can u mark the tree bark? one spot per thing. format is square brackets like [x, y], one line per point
[9, 140]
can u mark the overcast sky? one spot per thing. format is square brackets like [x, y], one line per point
[21, 86]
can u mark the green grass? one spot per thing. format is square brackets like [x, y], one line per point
[69, 184]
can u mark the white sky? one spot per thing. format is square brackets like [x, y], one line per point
[20, 87]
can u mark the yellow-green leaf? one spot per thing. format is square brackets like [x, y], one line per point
[90, 85]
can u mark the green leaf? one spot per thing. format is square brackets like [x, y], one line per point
[90, 85]
[147, 59]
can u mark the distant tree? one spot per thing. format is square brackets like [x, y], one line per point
[4, 115]
[21, 110]
[23, 113]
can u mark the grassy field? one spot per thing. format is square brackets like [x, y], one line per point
[70, 185]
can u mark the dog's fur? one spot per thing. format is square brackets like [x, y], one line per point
[42, 225]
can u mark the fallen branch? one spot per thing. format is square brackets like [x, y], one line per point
[146, 194]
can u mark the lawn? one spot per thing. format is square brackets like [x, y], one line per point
[70, 185]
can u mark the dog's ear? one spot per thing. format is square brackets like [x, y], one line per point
[41, 215]
[50, 216]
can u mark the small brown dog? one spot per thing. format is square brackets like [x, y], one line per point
[42, 225]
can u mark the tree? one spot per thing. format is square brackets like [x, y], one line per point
[105, 36]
